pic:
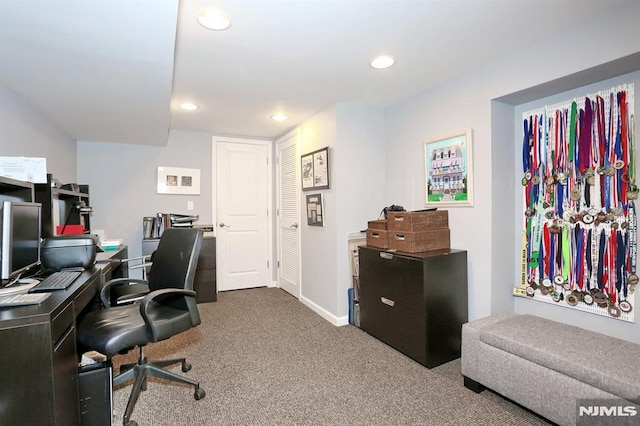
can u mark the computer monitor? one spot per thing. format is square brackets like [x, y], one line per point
[19, 239]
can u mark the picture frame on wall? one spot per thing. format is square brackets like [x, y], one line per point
[448, 170]
[178, 180]
[315, 170]
[315, 210]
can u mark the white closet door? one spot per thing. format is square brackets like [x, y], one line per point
[288, 219]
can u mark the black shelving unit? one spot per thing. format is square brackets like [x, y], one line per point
[15, 190]
[58, 205]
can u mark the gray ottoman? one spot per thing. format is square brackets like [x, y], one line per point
[551, 368]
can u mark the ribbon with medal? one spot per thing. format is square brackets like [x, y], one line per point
[579, 242]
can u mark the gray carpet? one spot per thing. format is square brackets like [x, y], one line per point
[264, 358]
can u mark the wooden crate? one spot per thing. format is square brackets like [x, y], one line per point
[378, 238]
[418, 221]
[413, 242]
[377, 224]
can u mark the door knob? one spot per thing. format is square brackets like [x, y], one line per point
[222, 225]
[294, 226]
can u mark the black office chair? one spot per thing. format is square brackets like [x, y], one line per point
[122, 291]
[169, 309]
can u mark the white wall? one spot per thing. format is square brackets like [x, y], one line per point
[318, 286]
[467, 102]
[24, 131]
[355, 135]
[122, 182]
[360, 176]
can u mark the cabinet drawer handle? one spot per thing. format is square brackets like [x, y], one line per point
[385, 255]
[400, 237]
[387, 301]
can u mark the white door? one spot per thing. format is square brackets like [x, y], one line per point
[242, 199]
[288, 218]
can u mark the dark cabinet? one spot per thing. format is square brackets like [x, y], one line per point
[415, 302]
[204, 283]
[39, 358]
[60, 206]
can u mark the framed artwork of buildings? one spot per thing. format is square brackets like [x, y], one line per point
[448, 176]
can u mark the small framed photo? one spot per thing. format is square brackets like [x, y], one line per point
[315, 169]
[448, 173]
[178, 180]
[315, 210]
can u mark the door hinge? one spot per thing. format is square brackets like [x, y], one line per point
[267, 264]
[278, 263]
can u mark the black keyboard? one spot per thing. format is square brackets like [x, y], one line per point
[56, 281]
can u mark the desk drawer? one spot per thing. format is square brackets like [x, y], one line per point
[65, 380]
[87, 294]
[61, 323]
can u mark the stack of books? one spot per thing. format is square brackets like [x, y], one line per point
[172, 220]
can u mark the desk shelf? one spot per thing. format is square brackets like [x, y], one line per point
[15, 190]
[57, 204]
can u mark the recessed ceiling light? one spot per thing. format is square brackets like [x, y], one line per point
[189, 107]
[279, 117]
[214, 19]
[382, 61]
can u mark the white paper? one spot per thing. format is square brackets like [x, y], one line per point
[28, 169]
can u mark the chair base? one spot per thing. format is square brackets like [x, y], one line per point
[144, 369]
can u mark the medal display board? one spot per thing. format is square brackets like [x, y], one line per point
[579, 237]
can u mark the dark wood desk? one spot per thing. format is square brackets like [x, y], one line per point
[38, 357]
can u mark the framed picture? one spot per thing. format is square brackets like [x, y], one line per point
[315, 169]
[315, 210]
[448, 174]
[178, 180]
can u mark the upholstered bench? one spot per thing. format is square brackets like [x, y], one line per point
[549, 367]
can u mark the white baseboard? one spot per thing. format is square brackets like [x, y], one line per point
[337, 321]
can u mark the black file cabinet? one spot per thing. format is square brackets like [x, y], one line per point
[204, 283]
[415, 302]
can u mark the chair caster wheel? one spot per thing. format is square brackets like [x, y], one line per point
[199, 394]
[186, 367]
[131, 423]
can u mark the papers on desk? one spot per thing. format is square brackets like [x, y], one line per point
[111, 244]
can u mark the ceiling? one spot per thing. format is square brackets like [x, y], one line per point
[117, 70]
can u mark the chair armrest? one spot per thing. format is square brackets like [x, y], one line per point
[112, 283]
[137, 258]
[144, 305]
